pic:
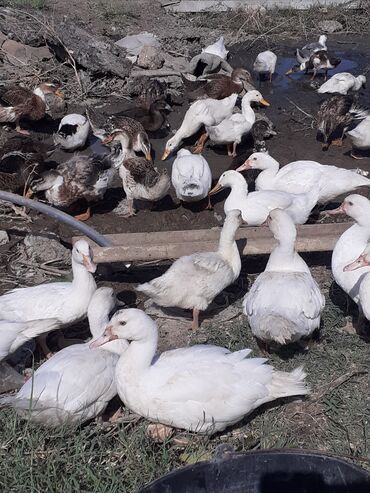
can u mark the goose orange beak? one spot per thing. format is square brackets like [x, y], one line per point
[361, 261]
[103, 339]
[290, 71]
[264, 102]
[89, 264]
[246, 165]
[60, 94]
[148, 156]
[165, 155]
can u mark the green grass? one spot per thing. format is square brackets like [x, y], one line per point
[121, 458]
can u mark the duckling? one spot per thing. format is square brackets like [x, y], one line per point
[337, 112]
[191, 176]
[262, 129]
[203, 275]
[265, 63]
[103, 126]
[342, 83]
[222, 86]
[72, 132]
[311, 48]
[318, 60]
[207, 112]
[140, 179]
[25, 103]
[81, 177]
[152, 118]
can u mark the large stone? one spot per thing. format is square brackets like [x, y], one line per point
[150, 57]
[20, 55]
[329, 26]
[134, 44]
[42, 249]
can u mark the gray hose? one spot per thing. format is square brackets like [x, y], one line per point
[58, 215]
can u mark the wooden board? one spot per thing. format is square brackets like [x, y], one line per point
[163, 245]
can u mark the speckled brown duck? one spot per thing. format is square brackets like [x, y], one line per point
[337, 113]
[103, 126]
[81, 177]
[152, 118]
[220, 87]
[23, 103]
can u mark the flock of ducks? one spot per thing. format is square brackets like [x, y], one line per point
[202, 388]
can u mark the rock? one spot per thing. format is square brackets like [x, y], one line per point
[329, 26]
[19, 54]
[133, 44]
[21, 27]
[42, 249]
[150, 58]
[9, 378]
[4, 237]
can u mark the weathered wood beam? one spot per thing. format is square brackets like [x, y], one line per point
[164, 245]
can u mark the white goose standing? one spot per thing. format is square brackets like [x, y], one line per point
[201, 388]
[268, 305]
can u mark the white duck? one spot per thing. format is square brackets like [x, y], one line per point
[364, 290]
[231, 130]
[342, 83]
[76, 384]
[201, 388]
[360, 137]
[65, 301]
[256, 206]
[268, 305]
[207, 112]
[218, 48]
[265, 63]
[303, 177]
[203, 275]
[72, 132]
[351, 244]
[191, 176]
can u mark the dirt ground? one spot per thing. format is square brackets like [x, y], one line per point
[335, 419]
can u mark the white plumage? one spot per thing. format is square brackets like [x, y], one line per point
[360, 135]
[76, 383]
[218, 48]
[303, 177]
[265, 63]
[285, 302]
[191, 176]
[256, 206]
[342, 83]
[199, 388]
[72, 132]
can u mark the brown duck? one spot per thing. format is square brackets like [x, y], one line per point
[337, 112]
[221, 86]
[152, 118]
[24, 103]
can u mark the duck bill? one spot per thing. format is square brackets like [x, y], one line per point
[107, 140]
[148, 156]
[335, 212]
[246, 165]
[357, 264]
[103, 339]
[215, 189]
[60, 94]
[264, 102]
[165, 155]
[290, 71]
[89, 264]
[325, 146]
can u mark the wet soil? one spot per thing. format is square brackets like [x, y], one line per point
[296, 140]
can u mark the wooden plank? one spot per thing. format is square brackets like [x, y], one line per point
[164, 245]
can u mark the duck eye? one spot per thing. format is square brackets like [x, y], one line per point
[122, 323]
[350, 203]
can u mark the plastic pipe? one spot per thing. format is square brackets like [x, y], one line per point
[58, 215]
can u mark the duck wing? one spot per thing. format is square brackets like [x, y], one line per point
[142, 171]
[15, 95]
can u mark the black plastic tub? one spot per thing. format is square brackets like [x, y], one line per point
[272, 471]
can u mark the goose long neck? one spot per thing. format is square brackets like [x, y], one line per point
[81, 277]
[140, 353]
[247, 111]
[228, 248]
[97, 322]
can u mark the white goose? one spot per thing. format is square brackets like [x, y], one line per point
[342, 83]
[351, 244]
[256, 206]
[207, 112]
[218, 48]
[76, 384]
[65, 301]
[268, 305]
[265, 63]
[364, 290]
[231, 130]
[191, 176]
[360, 137]
[203, 275]
[72, 132]
[201, 388]
[303, 177]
